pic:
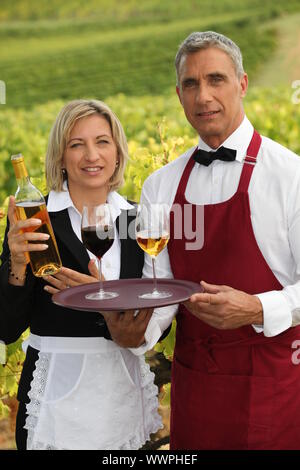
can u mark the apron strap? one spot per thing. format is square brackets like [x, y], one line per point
[249, 162]
[185, 177]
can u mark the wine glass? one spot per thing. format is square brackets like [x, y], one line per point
[97, 233]
[152, 234]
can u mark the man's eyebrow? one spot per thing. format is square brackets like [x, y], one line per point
[216, 75]
[189, 80]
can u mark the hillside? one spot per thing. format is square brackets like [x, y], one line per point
[283, 67]
[68, 50]
[128, 11]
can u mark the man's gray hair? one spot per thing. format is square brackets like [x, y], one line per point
[203, 40]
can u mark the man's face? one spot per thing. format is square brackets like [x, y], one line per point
[211, 94]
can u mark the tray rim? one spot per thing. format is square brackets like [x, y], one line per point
[160, 281]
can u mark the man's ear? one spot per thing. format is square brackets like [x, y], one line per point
[178, 93]
[244, 85]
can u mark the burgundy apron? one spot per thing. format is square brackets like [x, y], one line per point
[231, 389]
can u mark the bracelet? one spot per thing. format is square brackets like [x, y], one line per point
[18, 278]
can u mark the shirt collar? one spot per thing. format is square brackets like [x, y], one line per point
[239, 140]
[60, 200]
[118, 203]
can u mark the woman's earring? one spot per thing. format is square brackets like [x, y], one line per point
[63, 170]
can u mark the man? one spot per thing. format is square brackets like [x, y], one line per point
[234, 383]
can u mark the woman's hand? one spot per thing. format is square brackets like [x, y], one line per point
[69, 278]
[22, 238]
[127, 329]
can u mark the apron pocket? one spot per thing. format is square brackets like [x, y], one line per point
[131, 367]
[101, 408]
[211, 411]
[65, 375]
[261, 411]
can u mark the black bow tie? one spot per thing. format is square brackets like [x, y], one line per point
[206, 158]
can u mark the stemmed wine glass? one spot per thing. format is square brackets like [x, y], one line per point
[97, 233]
[152, 234]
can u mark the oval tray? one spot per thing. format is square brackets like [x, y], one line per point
[128, 290]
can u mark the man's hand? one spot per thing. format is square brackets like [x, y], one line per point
[126, 328]
[225, 308]
[69, 278]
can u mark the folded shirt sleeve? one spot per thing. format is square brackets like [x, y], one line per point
[159, 322]
[277, 313]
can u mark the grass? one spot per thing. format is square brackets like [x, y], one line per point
[283, 67]
[135, 61]
[126, 11]
[74, 48]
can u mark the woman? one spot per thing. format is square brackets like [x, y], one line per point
[78, 389]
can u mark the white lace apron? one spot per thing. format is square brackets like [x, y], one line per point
[88, 393]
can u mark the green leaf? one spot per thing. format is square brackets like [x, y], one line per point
[4, 410]
[166, 395]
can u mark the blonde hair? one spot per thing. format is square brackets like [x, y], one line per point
[60, 133]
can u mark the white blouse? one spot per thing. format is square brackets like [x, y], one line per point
[111, 260]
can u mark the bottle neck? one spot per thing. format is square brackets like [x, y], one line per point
[26, 191]
[23, 181]
[20, 169]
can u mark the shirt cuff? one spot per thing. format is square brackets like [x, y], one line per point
[276, 312]
[152, 335]
[258, 328]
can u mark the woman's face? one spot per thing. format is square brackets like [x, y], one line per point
[91, 155]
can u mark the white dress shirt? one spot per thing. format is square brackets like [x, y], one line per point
[111, 260]
[274, 194]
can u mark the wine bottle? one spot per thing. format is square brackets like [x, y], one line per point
[31, 203]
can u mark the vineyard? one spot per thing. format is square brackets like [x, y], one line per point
[124, 55]
[156, 130]
[77, 56]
